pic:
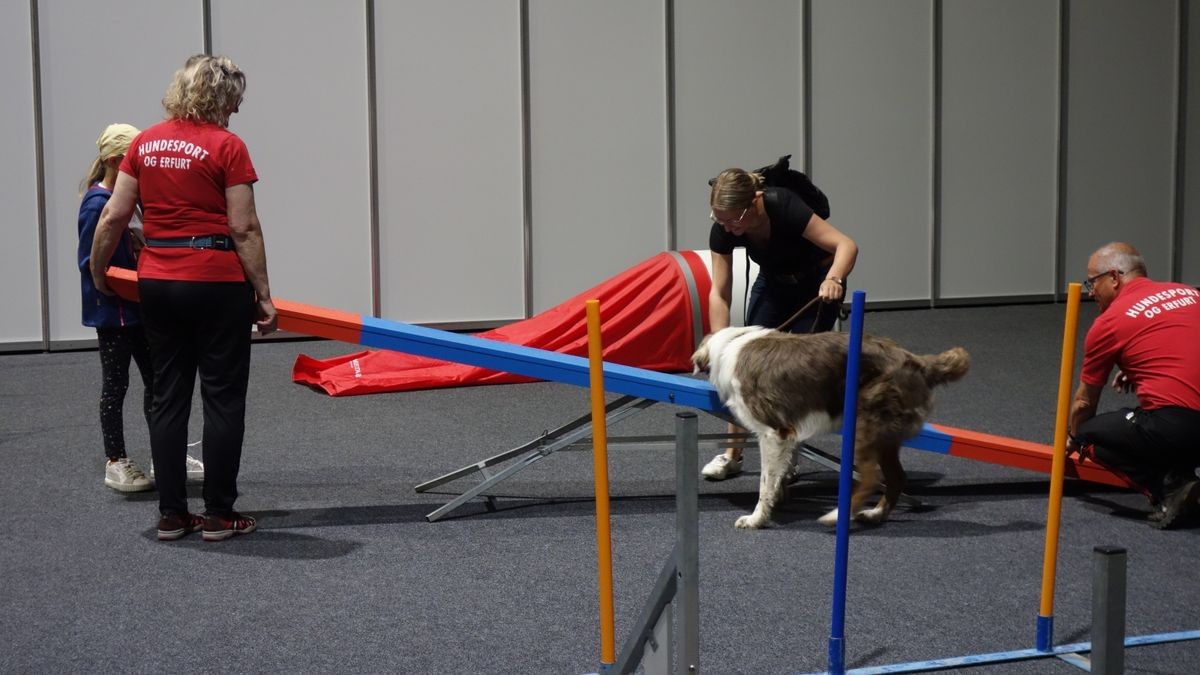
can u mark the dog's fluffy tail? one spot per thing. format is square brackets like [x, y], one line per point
[949, 366]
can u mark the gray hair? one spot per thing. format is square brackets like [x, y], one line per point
[1120, 256]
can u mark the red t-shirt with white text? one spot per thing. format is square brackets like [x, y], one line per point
[183, 168]
[1151, 331]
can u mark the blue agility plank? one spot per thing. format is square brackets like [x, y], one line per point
[931, 440]
[539, 363]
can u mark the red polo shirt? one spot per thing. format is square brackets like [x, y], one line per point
[183, 168]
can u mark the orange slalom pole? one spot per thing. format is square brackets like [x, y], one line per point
[608, 644]
[1045, 623]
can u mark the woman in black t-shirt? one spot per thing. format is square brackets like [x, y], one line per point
[799, 254]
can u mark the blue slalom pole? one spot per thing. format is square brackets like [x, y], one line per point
[837, 636]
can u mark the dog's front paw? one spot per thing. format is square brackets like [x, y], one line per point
[829, 519]
[750, 522]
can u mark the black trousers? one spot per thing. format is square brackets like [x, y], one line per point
[771, 303]
[198, 328]
[1148, 446]
[118, 345]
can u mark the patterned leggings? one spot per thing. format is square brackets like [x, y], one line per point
[117, 346]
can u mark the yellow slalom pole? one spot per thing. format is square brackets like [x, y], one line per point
[1045, 624]
[608, 646]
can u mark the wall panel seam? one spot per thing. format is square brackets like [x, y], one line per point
[806, 127]
[1060, 202]
[669, 115]
[935, 178]
[39, 160]
[206, 25]
[1181, 110]
[373, 161]
[526, 159]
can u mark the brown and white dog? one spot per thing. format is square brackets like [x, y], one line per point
[788, 388]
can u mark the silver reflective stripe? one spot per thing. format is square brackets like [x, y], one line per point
[694, 293]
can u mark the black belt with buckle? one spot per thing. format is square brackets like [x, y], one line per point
[219, 242]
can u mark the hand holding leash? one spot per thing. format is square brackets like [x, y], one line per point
[832, 289]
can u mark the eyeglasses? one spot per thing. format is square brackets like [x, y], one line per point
[1090, 285]
[713, 217]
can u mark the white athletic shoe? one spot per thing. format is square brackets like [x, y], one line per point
[195, 470]
[125, 476]
[721, 467]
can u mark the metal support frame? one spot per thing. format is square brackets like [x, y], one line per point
[679, 579]
[527, 454]
[575, 435]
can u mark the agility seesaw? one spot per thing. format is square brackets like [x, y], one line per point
[639, 389]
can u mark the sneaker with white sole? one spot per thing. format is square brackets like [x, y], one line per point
[220, 528]
[195, 470]
[721, 467]
[174, 526]
[123, 475]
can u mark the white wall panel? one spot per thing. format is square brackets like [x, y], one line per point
[98, 68]
[598, 143]
[1120, 130]
[450, 173]
[305, 122]
[737, 97]
[449, 115]
[19, 265]
[999, 147]
[871, 136]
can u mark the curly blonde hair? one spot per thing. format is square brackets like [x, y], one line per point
[206, 89]
[734, 189]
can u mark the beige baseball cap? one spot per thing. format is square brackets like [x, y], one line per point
[115, 139]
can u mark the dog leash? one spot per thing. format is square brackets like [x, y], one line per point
[802, 310]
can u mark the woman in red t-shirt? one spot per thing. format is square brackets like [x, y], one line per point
[202, 279]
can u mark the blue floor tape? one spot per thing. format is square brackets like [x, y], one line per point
[1019, 655]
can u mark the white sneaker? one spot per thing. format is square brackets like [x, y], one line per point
[721, 467]
[125, 476]
[195, 470]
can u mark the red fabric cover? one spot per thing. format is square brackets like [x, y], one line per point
[645, 317]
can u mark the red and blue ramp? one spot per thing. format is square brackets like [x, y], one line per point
[440, 349]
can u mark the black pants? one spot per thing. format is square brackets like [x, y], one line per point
[771, 303]
[118, 345]
[198, 327]
[1148, 446]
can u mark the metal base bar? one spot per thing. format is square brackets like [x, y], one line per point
[1018, 655]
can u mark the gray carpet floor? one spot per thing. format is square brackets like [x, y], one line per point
[345, 575]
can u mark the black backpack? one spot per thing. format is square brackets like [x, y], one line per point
[780, 175]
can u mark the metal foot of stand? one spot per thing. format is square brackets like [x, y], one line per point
[1108, 610]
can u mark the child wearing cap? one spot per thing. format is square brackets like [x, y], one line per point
[118, 325]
